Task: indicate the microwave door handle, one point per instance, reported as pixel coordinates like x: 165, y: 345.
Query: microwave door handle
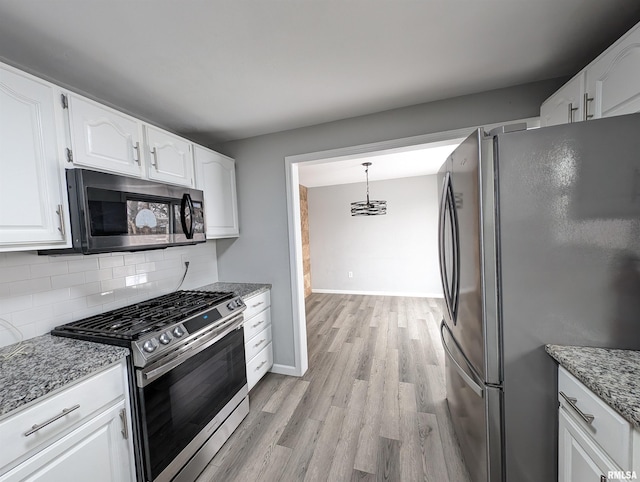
x: 186, y: 203
x: 442, y: 255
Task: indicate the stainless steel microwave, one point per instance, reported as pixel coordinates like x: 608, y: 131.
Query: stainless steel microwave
x: 111, y: 213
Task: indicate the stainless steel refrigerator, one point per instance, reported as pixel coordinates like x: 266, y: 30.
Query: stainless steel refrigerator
x: 539, y: 243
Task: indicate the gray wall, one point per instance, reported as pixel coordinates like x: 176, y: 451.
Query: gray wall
x: 261, y: 253
x: 393, y: 254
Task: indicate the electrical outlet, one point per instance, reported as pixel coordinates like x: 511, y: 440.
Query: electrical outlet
x: 350, y: 274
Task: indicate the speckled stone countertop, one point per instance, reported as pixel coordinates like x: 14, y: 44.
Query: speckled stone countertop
x: 614, y: 375
x: 46, y: 363
x: 244, y: 290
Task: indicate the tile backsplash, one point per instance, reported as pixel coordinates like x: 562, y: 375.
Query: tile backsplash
x: 38, y: 293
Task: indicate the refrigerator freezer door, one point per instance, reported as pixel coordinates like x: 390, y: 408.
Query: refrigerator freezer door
x: 476, y: 413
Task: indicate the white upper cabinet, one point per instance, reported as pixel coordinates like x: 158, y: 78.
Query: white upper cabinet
x: 608, y: 86
x: 216, y: 177
x: 613, y: 79
x: 565, y: 106
x: 103, y: 138
x: 32, y: 212
x: 170, y: 157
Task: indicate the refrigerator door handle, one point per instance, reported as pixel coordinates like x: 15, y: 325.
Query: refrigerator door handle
x: 477, y: 388
x: 444, y: 200
x: 455, y: 228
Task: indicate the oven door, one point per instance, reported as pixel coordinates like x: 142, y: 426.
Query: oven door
x: 185, y: 399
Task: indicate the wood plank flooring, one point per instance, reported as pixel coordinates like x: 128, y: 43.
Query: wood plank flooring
x: 371, y: 406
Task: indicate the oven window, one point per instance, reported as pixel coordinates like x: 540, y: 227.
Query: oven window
x: 115, y: 213
x: 178, y: 405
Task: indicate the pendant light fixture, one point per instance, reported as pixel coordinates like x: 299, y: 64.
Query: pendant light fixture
x: 368, y: 207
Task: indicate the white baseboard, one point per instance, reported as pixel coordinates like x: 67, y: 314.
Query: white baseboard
x: 379, y: 293
x: 285, y: 370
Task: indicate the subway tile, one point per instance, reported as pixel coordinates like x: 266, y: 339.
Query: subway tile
x: 32, y: 315
x: 136, y: 279
x: 145, y: 268
x: 23, y: 258
x: 156, y: 255
x: 69, y: 306
x: 50, y: 297
x: 123, y: 271
x: 85, y: 289
x: 5, y: 289
x: 83, y: 265
x: 99, y: 275
x: 134, y: 258
x: 15, y: 303
x: 169, y: 264
x: 111, y: 261
x: 30, y: 286
x: 100, y: 298
x: 9, y: 274
x: 49, y: 269
x: 112, y: 284
x: 66, y: 280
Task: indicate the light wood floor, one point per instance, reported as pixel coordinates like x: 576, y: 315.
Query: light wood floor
x: 371, y: 406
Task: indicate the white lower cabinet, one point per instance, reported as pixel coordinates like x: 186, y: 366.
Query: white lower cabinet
x: 595, y: 443
x: 80, y: 433
x: 258, y: 347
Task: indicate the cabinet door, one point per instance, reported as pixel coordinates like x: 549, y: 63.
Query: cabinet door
x: 580, y: 459
x: 98, y: 451
x: 216, y: 176
x: 103, y: 138
x: 613, y: 79
x: 170, y: 158
x: 565, y: 106
x: 31, y: 182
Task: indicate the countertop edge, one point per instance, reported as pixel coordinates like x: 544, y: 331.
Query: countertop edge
x: 596, y: 377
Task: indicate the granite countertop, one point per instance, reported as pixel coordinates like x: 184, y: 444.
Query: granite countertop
x: 46, y: 363
x: 614, y: 375
x: 244, y: 290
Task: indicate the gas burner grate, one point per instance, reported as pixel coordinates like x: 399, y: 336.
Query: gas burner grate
x: 130, y: 322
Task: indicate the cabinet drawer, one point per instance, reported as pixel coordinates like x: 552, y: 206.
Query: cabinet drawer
x: 256, y: 324
x: 260, y: 365
x: 256, y: 304
x: 257, y: 343
x: 608, y: 428
x: 91, y: 394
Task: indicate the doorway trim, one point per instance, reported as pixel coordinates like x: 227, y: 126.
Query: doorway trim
x: 292, y: 164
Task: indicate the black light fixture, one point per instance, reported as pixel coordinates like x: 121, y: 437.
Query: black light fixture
x: 368, y: 207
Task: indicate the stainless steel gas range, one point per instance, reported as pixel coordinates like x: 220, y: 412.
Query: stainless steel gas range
x: 187, y: 375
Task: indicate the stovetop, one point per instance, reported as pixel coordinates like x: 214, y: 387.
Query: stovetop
x: 124, y: 325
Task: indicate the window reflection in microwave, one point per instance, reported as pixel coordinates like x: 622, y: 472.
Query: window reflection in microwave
x: 144, y: 218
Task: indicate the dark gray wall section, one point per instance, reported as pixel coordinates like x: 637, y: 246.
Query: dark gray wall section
x: 261, y: 253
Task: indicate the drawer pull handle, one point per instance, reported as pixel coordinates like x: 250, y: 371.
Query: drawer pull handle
x: 259, y: 343
x: 257, y: 304
x: 64, y: 412
x: 572, y: 403
x: 261, y: 365
x: 257, y: 324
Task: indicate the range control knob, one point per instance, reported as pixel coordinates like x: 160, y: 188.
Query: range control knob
x: 165, y: 338
x: 231, y: 305
x: 178, y: 332
x: 150, y: 345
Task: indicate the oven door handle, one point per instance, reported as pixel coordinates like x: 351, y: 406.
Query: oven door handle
x: 147, y: 375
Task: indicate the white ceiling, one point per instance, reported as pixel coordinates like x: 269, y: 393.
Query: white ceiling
x: 416, y: 161
x: 215, y: 70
